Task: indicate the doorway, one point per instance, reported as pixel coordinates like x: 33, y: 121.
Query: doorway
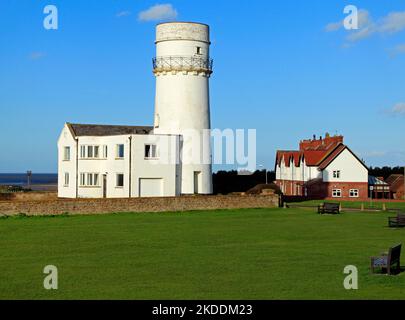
x: 197, y: 175
x: 104, y: 186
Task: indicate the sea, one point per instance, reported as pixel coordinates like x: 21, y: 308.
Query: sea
x: 20, y: 179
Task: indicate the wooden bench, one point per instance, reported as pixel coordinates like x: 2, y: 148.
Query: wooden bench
x: 388, y: 260
x: 333, y: 208
x: 397, y: 222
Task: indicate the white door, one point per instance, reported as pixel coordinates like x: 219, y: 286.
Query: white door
x: 150, y: 187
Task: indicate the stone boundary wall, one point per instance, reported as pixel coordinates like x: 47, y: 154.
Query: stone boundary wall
x: 29, y: 196
x: 166, y: 204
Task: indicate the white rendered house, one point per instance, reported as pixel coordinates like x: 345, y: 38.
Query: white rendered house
x: 322, y: 168
x: 112, y: 161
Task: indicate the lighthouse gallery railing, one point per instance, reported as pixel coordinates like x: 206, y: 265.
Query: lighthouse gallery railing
x: 182, y: 63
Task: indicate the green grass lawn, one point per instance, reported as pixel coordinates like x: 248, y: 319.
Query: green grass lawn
x: 235, y: 254
x: 354, y: 204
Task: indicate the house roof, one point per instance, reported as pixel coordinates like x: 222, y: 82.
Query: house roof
x: 375, y: 181
x: 99, y: 130
x: 396, y: 181
x: 334, y: 154
x: 287, y: 156
x: 314, y: 157
x: 324, y: 144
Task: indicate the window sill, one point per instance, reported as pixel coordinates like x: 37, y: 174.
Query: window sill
x: 92, y: 158
x: 151, y: 158
x: 64, y: 160
x: 119, y: 158
x: 119, y: 187
x: 90, y: 187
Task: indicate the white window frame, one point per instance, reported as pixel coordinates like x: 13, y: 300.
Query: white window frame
x: 96, y: 152
x: 105, y: 151
x: 66, y: 153
x: 96, y: 179
x: 116, y: 180
x: 90, y: 154
x: 89, y: 149
x: 82, y: 179
x: 82, y: 151
x: 89, y: 179
x: 335, y: 193
x: 354, y: 193
x: 66, y: 180
x: 153, y: 151
x: 117, y: 155
x: 336, y: 174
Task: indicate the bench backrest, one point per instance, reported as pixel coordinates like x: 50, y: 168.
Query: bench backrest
x: 331, y: 206
x: 401, y: 217
x: 394, y: 253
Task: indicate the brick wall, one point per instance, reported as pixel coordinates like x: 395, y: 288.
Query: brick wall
x: 345, y: 188
x: 323, y: 190
x: 98, y: 206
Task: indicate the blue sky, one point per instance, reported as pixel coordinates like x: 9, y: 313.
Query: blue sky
x: 281, y: 67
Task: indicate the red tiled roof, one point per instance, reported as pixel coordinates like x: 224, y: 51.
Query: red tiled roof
x: 321, y: 144
x: 313, y: 157
x: 331, y: 156
x: 287, y: 155
x: 315, y: 152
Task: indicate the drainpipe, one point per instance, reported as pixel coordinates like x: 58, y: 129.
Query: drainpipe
x: 130, y: 166
x: 77, y: 167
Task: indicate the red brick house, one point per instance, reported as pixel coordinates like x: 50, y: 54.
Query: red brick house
x: 396, y: 183
x: 322, y: 168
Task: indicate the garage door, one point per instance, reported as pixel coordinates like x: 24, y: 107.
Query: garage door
x: 150, y: 187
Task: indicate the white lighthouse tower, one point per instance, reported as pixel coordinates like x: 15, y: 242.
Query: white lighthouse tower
x: 182, y: 67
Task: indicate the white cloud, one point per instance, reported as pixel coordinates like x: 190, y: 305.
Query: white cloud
x: 366, y: 27
x: 36, y: 55
x: 399, y: 49
x: 333, y: 26
x: 364, y: 20
x: 158, y: 12
x: 399, y: 108
x: 392, y: 23
x: 123, y: 14
x: 361, y: 34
